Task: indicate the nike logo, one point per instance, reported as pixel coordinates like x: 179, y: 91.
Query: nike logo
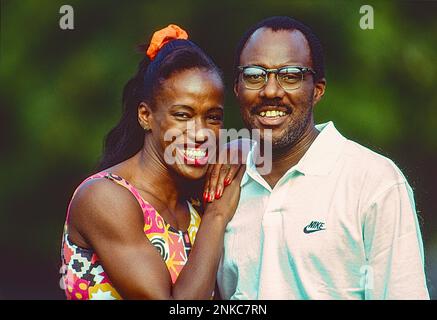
x: 314, y: 226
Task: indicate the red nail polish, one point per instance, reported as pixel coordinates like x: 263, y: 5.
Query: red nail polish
x: 218, y: 194
x: 227, y: 181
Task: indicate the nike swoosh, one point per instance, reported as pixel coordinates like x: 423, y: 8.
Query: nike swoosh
x: 308, y: 230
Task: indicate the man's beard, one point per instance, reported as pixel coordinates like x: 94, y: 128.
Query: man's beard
x: 295, y: 130
x: 293, y: 133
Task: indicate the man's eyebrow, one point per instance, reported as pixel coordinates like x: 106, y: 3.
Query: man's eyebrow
x: 279, y: 65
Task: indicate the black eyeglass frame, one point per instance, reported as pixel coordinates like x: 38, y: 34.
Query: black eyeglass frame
x: 302, y: 70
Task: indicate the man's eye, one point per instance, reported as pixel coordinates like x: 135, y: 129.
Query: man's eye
x: 254, y: 77
x: 290, y: 77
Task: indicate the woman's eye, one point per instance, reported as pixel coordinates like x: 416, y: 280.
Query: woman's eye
x: 182, y: 115
x: 216, y: 117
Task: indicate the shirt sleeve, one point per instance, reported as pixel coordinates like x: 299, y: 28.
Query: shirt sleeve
x: 394, y: 247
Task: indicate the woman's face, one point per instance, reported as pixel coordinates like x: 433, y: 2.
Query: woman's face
x: 186, y: 119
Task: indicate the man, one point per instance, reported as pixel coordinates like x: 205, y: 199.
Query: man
x: 332, y: 220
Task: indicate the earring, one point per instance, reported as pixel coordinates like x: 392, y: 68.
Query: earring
x: 143, y: 125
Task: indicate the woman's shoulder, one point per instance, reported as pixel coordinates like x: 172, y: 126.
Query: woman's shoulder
x: 106, y: 188
x: 100, y: 200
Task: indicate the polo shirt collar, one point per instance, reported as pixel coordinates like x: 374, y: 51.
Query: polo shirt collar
x: 319, y: 159
x: 322, y: 155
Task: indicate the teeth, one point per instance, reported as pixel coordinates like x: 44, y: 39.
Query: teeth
x: 195, y: 153
x: 272, y: 113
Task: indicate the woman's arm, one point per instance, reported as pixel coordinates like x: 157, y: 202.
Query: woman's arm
x: 110, y: 220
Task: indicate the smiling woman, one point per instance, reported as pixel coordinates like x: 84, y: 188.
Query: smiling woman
x: 130, y: 229
x: 187, y: 109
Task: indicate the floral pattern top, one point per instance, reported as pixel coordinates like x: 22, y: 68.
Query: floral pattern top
x: 83, y: 276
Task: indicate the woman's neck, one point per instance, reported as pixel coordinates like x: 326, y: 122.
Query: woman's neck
x: 149, y: 173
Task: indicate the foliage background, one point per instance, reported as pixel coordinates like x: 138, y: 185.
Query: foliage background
x: 60, y: 93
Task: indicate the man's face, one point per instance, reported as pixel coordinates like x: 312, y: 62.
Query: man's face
x: 288, y: 113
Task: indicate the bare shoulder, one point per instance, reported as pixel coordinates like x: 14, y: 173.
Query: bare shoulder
x: 102, y: 205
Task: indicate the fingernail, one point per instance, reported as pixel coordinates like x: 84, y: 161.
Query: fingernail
x: 218, y: 194
x: 211, y: 197
x: 227, y: 181
x: 204, y: 196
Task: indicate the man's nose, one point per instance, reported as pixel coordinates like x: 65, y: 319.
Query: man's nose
x: 272, y: 89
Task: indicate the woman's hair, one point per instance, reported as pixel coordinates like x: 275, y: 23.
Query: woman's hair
x: 127, y: 137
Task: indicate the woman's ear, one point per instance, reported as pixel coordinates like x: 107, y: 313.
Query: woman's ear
x: 145, y: 116
x: 236, y: 88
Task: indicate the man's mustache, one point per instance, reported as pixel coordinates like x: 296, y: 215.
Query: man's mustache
x: 268, y: 103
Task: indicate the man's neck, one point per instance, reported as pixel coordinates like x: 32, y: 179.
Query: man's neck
x: 284, y: 159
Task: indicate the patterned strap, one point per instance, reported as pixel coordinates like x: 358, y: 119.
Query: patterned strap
x: 124, y: 183
x: 95, y: 176
x: 193, y: 203
x: 146, y: 206
x: 110, y: 176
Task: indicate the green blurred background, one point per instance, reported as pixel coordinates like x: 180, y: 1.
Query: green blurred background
x: 60, y: 93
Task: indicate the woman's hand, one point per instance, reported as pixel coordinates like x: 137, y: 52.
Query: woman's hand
x: 228, y: 203
x: 223, y: 172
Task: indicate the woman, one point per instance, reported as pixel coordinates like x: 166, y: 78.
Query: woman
x: 129, y: 229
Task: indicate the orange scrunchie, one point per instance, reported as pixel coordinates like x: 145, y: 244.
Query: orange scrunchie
x: 163, y: 36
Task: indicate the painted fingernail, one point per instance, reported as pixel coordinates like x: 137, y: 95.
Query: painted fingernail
x: 218, y: 194
x: 227, y: 181
x: 205, y: 195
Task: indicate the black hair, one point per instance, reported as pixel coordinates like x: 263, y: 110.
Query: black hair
x: 127, y: 137
x: 277, y: 23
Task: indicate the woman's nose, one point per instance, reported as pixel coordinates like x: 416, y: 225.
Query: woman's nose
x: 198, y: 131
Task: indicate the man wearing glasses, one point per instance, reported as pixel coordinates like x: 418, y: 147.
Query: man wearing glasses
x: 332, y: 220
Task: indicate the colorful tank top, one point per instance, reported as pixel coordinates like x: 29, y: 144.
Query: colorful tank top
x: 83, y: 276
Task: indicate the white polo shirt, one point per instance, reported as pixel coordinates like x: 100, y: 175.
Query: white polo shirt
x: 341, y: 224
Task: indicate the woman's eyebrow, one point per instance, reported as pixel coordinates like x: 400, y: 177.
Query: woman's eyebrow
x: 213, y: 109
x: 182, y: 106
x: 218, y: 108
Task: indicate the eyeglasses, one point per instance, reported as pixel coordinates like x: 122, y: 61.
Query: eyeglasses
x: 288, y: 77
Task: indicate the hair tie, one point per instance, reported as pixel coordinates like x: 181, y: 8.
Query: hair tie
x: 163, y: 36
